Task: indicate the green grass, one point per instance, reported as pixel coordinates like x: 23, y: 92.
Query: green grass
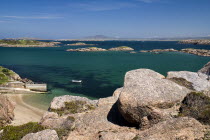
x: 18, y: 132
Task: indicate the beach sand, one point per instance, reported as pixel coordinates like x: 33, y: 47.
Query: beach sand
x: 24, y: 113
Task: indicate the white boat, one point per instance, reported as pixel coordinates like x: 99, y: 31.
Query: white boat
x: 76, y: 81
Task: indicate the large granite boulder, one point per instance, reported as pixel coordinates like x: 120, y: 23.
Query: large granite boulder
x: 42, y: 135
x: 205, y: 69
x: 148, y: 98
x: 68, y: 104
x: 199, y: 81
x: 94, y: 124
x: 183, y: 128
x: 6, y: 110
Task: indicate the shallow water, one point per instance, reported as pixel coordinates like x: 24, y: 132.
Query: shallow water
x: 101, y: 72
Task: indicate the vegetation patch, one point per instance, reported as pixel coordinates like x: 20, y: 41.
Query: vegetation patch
x: 20, y: 42
x: 4, y: 75
x: 182, y: 82
x: 18, y: 132
x: 74, y: 107
x: 196, y: 105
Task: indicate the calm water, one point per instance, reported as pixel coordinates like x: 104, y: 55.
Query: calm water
x: 102, y: 72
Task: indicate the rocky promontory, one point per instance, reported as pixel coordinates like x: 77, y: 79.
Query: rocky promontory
x: 200, y: 52
x: 89, y: 49
x: 80, y: 44
x: 195, y: 42
x: 121, y: 48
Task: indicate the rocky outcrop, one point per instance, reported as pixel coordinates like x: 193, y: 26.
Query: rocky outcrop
x: 42, y: 135
x: 121, y: 48
x: 148, y: 98
x: 200, y: 52
x: 71, y: 104
x: 160, y: 50
x: 199, y: 81
x: 195, y: 42
x: 90, y: 49
x: 175, y: 129
x: 6, y: 110
x: 205, y: 69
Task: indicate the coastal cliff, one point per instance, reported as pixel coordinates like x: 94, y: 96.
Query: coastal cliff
x: 148, y: 106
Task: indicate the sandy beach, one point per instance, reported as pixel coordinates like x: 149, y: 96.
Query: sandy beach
x: 24, y: 113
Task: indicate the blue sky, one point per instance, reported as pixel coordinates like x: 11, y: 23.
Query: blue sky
x: 56, y: 19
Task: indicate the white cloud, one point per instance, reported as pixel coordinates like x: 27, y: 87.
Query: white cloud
x: 32, y: 17
x: 148, y: 1
x: 98, y: 6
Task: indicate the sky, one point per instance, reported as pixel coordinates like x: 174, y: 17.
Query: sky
x: 70, y: 19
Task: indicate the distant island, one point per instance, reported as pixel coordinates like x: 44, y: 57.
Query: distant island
x: 196, y: 41
x: 80, y: 44
x: 94, y: 49
x: 27, y: 43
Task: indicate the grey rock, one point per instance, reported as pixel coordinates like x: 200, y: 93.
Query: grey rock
x: 116, y: 135
x: 42, y: 135
x: 148, y: 98
x: 199, y: 80
x: 52, y: 120
x: 205, y: 69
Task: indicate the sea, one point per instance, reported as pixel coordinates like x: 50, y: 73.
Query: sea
x: 101, y: 72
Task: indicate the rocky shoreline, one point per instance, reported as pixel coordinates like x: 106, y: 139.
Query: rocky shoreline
x: 195, y: 42
x: 12, y: 83
x: 81, y: 44
x: 148, y: 106
x: 95, y: 49
x: 199, y: 52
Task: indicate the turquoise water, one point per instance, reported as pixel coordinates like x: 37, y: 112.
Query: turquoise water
x: 101, y: 72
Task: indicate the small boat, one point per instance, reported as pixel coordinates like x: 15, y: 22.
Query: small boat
x: 76, y: 81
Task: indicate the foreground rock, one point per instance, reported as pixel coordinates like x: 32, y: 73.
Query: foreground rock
x: 147, y: 98
x: 71, y: 104
x: 6, y: 110
x: 195, y: 42
x: 90, y: 49
x: 53, y: 120
x: 174, y: 129
x: 198, y: 81
x: 42, y: 135
x: 121, y: 48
